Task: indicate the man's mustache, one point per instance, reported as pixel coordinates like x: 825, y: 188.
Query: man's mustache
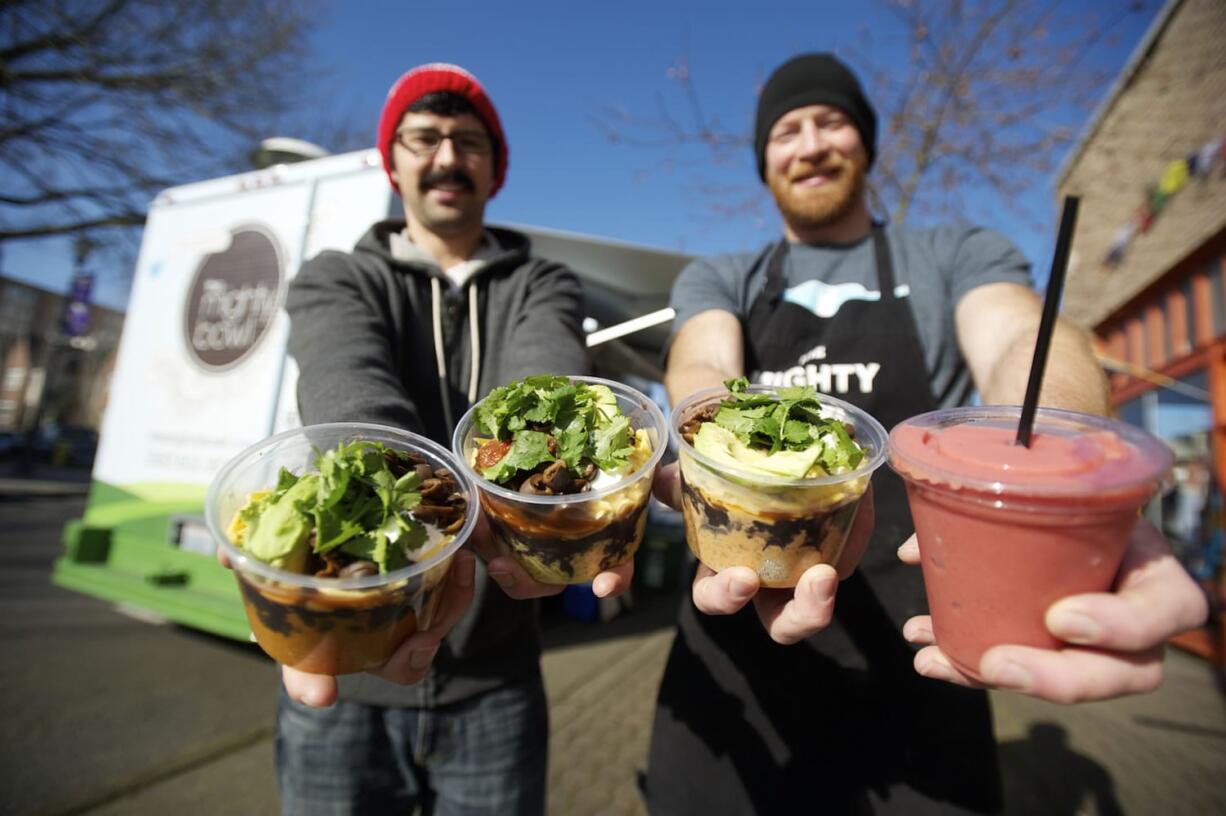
x: 458, y: 177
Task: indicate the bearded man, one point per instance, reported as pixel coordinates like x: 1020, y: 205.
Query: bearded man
x: 813, y: 706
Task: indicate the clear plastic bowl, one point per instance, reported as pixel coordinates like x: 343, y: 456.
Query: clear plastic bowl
x: 777, y: 527
x: 569, y: 539
x: 330, y: 625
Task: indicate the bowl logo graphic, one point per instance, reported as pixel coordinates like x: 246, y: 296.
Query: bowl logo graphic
x: 233, y: 299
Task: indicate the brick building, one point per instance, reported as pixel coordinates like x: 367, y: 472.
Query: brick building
x: 1150, y: 254
x: 47, y: 374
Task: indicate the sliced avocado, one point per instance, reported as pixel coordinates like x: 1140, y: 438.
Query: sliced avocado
x: 278, y: 536
x: 722, y: 445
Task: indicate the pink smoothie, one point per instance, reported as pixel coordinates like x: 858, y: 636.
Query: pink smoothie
x: 1004, y: 530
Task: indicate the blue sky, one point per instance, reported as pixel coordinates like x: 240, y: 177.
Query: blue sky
x: 551, y: 66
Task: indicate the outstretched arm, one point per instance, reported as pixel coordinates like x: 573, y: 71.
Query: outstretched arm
x: 547, y: 338
x: 707, y: 350
x: 341, y: 340
x: 997, y: 325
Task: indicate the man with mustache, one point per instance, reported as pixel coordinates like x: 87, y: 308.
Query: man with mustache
x: 818, y: 704
x: 425, y: 316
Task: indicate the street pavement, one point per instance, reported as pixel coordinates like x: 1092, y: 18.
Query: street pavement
x: 1162, y: 753
x: 97, y: 703
x: 39, y: 479
x: 106, y: 714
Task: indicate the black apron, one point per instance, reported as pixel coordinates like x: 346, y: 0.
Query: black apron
x: 840, y: 723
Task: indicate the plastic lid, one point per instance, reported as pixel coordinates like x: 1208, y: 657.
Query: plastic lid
x: 1071, y: 453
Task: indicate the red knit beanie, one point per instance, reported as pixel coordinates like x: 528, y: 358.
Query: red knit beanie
x: 440, y: 77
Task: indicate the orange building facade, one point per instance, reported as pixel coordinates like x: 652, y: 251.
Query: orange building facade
x: 1148, y: 274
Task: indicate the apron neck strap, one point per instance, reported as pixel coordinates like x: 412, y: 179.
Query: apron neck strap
x: 885, y: 266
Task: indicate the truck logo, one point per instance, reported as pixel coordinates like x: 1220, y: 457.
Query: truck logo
x: 233, y: 299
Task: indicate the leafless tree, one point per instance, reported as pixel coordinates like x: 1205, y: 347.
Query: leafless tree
x: 992, y: 94
x: 105, y: 102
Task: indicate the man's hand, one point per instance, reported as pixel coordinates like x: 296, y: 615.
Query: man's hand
x: 409, y: 663
x: 788, y: 615
x: 518, y: 584
x: 1116, y: 639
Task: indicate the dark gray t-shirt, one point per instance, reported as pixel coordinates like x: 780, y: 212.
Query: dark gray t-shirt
x: 933, y: 269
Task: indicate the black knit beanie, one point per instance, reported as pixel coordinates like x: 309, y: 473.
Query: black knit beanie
x: 813, y: 79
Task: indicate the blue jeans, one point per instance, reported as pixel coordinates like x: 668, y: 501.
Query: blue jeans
x: 485, y: 755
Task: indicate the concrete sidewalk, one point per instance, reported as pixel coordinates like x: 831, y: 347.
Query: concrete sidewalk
x: 602, y: 695
x: 1158, y: 753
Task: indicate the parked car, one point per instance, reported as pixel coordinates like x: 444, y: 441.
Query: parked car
x: 71, y: 445
x: 11, y: 443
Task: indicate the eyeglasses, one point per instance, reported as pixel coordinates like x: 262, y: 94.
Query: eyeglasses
x: 425, y: 143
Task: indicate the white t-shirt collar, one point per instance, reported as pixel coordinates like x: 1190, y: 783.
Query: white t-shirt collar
x: 403, y: 249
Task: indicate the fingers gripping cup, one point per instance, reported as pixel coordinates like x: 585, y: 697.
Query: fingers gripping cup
x: 341, y: 537
x: 771, y: 477
x: 1004, y: 530
x: 563, y: 466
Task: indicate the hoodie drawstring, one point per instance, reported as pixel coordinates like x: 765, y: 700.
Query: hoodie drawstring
x: 440, y: 352
x: 474, y: 335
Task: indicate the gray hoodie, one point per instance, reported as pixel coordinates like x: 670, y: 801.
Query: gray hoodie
x: 391, y: 340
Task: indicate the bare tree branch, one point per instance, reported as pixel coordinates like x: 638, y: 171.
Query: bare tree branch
x: 984, y: 101
x: 110, y: 222
x: 104, y: 103
x: 58, y: 41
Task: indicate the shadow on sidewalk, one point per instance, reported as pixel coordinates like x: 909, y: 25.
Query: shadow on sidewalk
x: 649, y: 611
x: 1044, y: 775
x: 1181, y: 727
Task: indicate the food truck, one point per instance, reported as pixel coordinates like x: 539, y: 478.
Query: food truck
x: 202, y: 370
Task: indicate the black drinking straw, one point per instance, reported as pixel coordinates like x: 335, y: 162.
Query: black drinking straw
x: 1055, y: 285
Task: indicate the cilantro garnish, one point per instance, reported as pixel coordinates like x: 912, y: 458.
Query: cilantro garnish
x: 582, y: 420
x: 354, y: 504
x: 789, y: 419
x: 529, y: 449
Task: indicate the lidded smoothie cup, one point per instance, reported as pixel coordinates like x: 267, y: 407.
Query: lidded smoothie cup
x: 1004, y: 530
x: 776, y: 526
x: 570, y: 538
x: 332, y: 625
